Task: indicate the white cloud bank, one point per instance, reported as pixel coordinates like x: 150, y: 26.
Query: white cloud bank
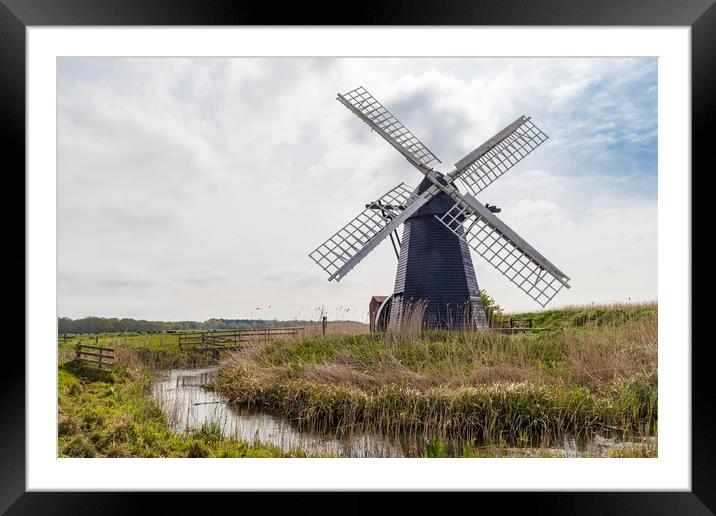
x: 190, y: 189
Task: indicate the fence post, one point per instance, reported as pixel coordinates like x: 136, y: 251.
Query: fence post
x: 324, y: 323
x: 77, y: 350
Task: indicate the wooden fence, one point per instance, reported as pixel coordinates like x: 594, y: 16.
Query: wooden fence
x: 234, y: 338
x: 516, y: 323
x: 513, y: 325
x: 98, y: 357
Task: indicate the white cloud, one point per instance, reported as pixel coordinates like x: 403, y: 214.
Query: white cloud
x: 193, y: 188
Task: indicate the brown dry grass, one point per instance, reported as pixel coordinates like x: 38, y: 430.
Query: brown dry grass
x: 336, y: 328
x: 577, y: 378
x: 594, y: 357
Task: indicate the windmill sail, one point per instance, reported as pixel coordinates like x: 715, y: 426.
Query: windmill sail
x: 481, y: 167
x: 497, y: 243
x: 350, y: 244
x: 434, y: 263
x: 373, y: 113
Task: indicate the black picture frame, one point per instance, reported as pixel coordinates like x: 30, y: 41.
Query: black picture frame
x: 17, y: 15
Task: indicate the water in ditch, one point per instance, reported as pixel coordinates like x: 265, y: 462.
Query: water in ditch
x: 188, y: 405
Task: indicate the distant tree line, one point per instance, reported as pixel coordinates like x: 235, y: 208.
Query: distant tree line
x: 115, y: 325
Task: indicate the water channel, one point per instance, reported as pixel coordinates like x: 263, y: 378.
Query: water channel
x: 188, y: 405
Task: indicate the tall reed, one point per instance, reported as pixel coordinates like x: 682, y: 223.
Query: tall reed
x: 535, y: 387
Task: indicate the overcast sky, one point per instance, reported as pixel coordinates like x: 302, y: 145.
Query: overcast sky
x: 195, y: 188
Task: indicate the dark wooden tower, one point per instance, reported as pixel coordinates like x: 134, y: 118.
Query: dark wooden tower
x: 435, y: 273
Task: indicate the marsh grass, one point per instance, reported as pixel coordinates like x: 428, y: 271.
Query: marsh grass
x: 593, y: 373
x: 411, y: 320
x: 114, y: 415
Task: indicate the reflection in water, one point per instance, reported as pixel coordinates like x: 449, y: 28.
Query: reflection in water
x: 188, y: 406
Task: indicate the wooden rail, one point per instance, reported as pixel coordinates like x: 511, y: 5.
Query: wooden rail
x: 98, y: 357
x: 513, y: 325
x: 508, y: 330
x: 234, y: 338
x: 511, y: 322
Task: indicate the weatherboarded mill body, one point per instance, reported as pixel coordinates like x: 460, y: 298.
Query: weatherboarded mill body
x: 435, y: 281
x: 435, y: 284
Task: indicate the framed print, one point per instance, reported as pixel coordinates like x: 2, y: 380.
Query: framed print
x: 226, y: 290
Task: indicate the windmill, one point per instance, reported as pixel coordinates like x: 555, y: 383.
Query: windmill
x: 440, y: 222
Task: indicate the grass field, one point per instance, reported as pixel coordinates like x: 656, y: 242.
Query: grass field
x: 162, y: 350
x: 591, y: 372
